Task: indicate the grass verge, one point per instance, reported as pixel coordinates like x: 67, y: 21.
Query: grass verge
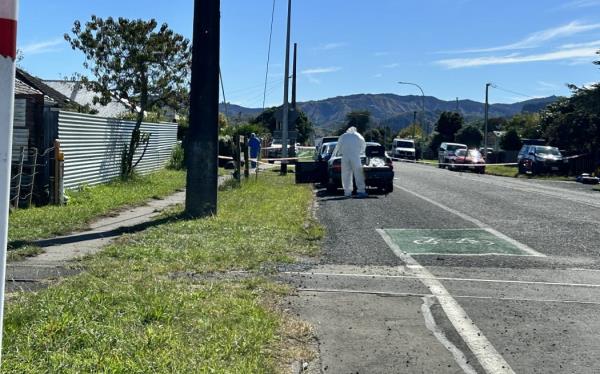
x: 153, y: 302
x: 502, y: 170
x: 90, y: 203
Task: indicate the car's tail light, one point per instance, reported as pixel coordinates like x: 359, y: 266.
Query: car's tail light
x: 337, y: 166
x: 389, y: 163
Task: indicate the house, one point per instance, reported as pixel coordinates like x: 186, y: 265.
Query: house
x: 77, y: 92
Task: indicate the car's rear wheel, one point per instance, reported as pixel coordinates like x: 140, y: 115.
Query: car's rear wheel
x: 389, y: 188
x: 331, y: 188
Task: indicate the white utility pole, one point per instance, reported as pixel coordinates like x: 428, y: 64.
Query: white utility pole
x: 8, y: 54
x: 286, y: 105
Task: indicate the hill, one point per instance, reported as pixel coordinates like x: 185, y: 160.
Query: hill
x: 394, y: 110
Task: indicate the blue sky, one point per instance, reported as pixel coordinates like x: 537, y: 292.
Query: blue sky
x: 527, y: 48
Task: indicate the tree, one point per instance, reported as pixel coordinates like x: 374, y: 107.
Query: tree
x: 448, y: 125
x: 361, y: 119
x: 137, y: 62
x: 525, y: 124
x: 469, y: 135
x: 413, y: 131
x: 303, y: 125
x: 511, y: 141
x: 573, y: 123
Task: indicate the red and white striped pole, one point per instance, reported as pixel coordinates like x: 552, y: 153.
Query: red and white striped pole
x: 8, y: 54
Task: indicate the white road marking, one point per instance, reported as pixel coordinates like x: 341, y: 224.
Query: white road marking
x: 350, y: 275
x: 477, y: 223
x: 458, y: 355
x: 413, y: 294
x: 489, y: 358
x: 579, y: 197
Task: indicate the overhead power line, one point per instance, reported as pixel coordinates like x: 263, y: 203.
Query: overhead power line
x: 512, y: 91
x: 268, y: 55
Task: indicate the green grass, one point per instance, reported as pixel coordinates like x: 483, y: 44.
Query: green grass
x: 150, y: 304
x: 90, y: 203
x: 502, y: 170
x: 306, y: 154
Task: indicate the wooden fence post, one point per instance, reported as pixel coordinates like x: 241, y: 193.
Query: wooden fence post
x: 246, y: 159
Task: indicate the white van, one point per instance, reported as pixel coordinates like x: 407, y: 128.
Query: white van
x: 404, y: 149
x: 447, y: 151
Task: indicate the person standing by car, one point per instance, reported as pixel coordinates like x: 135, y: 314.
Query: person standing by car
x: 254, y: 145
x: 352, y: 145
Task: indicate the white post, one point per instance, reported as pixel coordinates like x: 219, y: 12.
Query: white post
x: 8, y: 52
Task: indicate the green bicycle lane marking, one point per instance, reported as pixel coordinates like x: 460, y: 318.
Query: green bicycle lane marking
x: 452, y: 242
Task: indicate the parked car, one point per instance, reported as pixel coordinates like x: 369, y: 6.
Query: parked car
x: 326, y: 151
x: 377, y: 166
x: 446, y: 151
x: 326, y: 139
x: 275, y: 150
x: 536, y: 159
x: 467, y: 159
x: 404, y: 149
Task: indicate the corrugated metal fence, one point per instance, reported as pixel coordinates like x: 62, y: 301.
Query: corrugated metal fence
x: 93, y: 147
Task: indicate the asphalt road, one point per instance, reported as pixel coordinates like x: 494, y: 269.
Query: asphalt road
x: 379, y: 306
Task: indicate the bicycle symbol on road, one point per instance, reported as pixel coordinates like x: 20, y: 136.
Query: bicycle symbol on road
x: 436, y: 241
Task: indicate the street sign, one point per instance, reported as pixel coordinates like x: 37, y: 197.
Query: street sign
x: 292, y: 135
x: 292, y: 115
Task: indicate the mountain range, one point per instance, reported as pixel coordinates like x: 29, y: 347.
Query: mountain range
x: 394, y: 111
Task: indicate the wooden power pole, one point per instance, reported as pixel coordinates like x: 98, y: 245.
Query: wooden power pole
x: 202, y: 140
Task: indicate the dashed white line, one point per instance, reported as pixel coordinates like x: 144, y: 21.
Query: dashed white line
x: 477, y: 223
x: 489, y: 358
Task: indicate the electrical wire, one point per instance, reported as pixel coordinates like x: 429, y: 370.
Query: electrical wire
x: 512, y: 92
x: 223, y: 90
x: 268, y: 55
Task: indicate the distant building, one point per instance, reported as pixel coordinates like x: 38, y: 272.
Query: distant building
x: 79, y: 93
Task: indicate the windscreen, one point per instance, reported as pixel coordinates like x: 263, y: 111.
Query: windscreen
x: 454, y: 147
x: 549, y: 151
x: 405, y: 145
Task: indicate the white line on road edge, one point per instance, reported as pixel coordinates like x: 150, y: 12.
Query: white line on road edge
x: 476, y: 222
x: 458, y: 355
x: 491, y: 361
x: 362, y: 275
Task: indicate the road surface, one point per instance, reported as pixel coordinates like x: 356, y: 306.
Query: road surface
x: 456, y: 273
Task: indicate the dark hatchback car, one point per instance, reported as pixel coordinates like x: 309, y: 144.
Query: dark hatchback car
x: 465, y: 159
x: 538, y: 159
x: 377, y: 166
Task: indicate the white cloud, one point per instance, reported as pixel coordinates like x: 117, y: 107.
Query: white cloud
x: 580, y: 4
x: 392, y: 66
x: 563, y: 54
x: 313, y: 71
x: 330, y: 46
x: 381, y: 54
x: 537, y: 38
x: 379, y: 75
x: 42, y: 47
x: 579, y: 45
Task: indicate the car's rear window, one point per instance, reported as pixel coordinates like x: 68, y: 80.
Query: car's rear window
x: 454, y: 147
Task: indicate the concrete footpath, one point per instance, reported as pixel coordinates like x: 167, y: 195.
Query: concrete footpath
x: 60, y: 252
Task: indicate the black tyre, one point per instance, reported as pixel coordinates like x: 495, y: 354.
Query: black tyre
x: 389, y: 188
x: 331, y: 188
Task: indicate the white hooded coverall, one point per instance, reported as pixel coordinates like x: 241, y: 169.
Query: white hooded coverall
x: 352, y: 145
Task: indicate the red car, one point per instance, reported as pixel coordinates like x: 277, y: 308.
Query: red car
x: 470, y: 159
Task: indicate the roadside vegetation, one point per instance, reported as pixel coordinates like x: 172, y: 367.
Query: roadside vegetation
x: 89, y: 203
x: 184, y: 296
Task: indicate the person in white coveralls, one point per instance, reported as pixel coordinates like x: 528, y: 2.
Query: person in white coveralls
x: 352, y: 145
